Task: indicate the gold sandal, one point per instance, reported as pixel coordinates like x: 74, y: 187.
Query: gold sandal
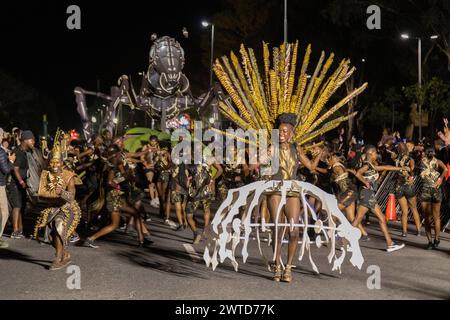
x: 66, y: 257
x: 277, y: 273
x: 287, y: 274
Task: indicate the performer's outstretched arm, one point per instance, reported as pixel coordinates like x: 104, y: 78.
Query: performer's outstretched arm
x: 311, y: 165
x: 391, y: 168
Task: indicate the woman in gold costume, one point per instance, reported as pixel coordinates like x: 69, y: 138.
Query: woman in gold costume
x: 275, y: 95
x: 290, y: 155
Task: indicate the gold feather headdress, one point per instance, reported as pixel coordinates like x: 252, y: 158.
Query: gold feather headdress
x: 257, y: 100
x: 59, y: 150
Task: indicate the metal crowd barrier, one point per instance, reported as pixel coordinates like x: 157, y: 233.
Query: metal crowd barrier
x: 387, y: 186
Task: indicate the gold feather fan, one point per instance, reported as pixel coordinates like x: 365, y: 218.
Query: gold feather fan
x: 258, y: 99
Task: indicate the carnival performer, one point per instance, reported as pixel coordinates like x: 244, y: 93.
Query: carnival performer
x: 179, y: 191
x: 163, y: 173
x: 368, y: 174
x: 345, y: 190
x: 404, y: 188
x: 57, y: 185
x: 269, y: 97
x: 92, y: 162
x: 290, y: 156
x: 200, y: 192
x: 233, y: 177
x: 118, y: 198
x: 148, y: 160
x: 431, y: 195
x: 199, y: 180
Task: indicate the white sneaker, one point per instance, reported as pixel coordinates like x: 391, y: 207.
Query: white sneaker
x: 394, y: 247
x: 170, y: 223
x: 155, y: 203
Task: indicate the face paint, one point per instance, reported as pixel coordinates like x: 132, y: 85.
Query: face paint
x: 55, y: 165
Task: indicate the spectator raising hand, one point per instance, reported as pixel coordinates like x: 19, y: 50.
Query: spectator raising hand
x: 445, y: 136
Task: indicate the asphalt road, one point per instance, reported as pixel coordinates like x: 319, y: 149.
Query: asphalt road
x: 172, y: 268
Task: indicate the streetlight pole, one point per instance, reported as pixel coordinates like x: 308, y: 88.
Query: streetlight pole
x: 212, y: 56
x: 419, y: 68
x: 419, y: 49
x: 285, y: 22
x: 215, y: 112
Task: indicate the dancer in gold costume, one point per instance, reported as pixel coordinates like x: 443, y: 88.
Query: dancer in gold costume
x: 273, y: 99
x: 57, y: 186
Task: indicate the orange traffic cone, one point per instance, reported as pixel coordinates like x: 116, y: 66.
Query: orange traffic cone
x: 391, y: 210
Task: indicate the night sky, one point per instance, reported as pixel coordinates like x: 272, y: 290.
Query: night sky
x: 40, y: 51
x: 114, y: 39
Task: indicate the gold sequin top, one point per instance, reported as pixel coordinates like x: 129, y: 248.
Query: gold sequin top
x: 288, y: 164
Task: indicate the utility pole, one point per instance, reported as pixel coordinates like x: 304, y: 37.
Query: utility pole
x: 285, y: 22
x: 45, y: 123
x: 419, y: 44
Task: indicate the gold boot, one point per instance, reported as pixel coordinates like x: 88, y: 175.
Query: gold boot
x: 276, y: 273
x: 287, y: 274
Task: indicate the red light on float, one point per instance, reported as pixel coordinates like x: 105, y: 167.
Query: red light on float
x: 74, y: 135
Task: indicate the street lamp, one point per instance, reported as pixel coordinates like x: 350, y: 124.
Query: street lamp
x: 406, y: 36
x: 206, y: 24
x: 285, y: 22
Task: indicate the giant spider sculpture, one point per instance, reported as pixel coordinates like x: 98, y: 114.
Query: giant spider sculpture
x: 164, y: 93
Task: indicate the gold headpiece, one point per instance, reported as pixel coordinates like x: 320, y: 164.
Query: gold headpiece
x: 258, y: 98
x: 59, y: 150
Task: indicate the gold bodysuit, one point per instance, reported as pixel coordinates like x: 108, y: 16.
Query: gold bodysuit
x: 287, y: 170
x: 288, y: 164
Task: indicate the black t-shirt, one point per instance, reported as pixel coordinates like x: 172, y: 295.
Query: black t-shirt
x: 444, y: 155
x: 21, y: 162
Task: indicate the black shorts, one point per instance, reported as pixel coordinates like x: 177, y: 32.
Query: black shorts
x: 163, y: 176
x: 367, y: 198
x: 136, y: 195
x: 114, y: 201
x: 17, y: 196
x: 404, y: 190
x: 192, y: 206
x: 430, y: 194
x: 347, y: 197
x: 178, y: 197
